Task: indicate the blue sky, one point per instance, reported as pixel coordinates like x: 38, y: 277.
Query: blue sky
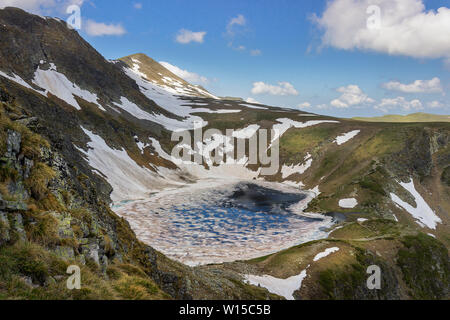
x: 287, y: 52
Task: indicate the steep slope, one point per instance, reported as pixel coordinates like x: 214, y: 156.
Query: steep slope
x: 107, y: 127
x: 162, y: 77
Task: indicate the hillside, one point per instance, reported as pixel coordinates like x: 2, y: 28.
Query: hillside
x: 86, y: 142
x: 157, y: 74
x: 414, y: 117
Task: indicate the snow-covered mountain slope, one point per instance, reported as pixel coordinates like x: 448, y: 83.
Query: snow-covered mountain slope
x: 155, y: 73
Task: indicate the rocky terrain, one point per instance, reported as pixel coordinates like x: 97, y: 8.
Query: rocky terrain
x: 80, y: 133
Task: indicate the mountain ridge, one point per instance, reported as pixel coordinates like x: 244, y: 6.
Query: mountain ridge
x: 413, y: 117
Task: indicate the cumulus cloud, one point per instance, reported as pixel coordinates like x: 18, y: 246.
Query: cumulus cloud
x: 99, y: 29
x: 41, y: 6
x: 137, y: 5
x: 399, y: 103
x: 435, y: 104
x: 239, y: 20
x: 187, y: 36
x: 304, y: 105
x: 405, y: 28
x: 418, y: 86
x: 255, y: 52
x: 191, y: 77
x: 351, y: 95
x: 282, y: 89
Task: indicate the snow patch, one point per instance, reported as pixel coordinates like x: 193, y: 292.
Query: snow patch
x: 285, y: 287
x: 20, y: 81
x: 349, y: 203
x: 287, y: 171
x: 128, y: 179
x: 282, y: 287
x: 346, y: 137
x: 247, y: 132
x: 57, y: 84
x: 325, y: 253
x: 423, y: 214
x: 285, y: 124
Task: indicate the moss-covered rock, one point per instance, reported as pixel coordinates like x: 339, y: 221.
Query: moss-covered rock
x: 424, y: 262
x: 349, y: 282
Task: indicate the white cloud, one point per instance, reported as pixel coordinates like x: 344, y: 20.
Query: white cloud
x: 282, y: 89
x: 255, y: 52
x: 137, y: 5
x: 184, y: 74
x: 239, y: 20
x: 435, y: 104
x: 98, y: 29
x: 304, y: 105
x: 418, y: 86
x: 187, y: 36
x: 399, y: 103
x: 351, y: 95
x: 251, y: 100
x: 40, y: 6
x: 405, y: 28
x: 56, y: 7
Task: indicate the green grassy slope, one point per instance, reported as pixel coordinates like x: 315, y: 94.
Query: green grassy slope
x: 414, y: 117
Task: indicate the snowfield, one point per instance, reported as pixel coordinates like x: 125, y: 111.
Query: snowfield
x: 282, y: 287
x: 287, y: 171
x: 20, y: 81
x: 169, y: 99
x: 346, y: 137
x: 325, y: 253
x: 286, y: 287
x: 349, y: 203
x: 57, y: 84
x: 285, y: 124
x: 422, y: 212
x: 128, y: 179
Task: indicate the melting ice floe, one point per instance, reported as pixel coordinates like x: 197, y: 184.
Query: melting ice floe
x: 422, y: 212
x: 196, y: 224
x: 285, y: 287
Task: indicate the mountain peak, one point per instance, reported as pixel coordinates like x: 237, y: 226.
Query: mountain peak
x: 154, y: 72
